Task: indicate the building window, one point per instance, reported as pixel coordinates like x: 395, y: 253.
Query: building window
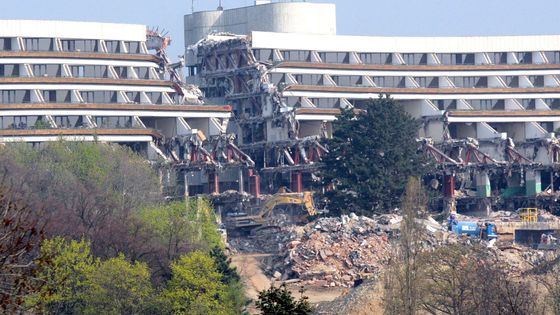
x: 38, y: 44
x: 78, y: 71
x: 62, y: 121
x: 5, y: 44
x: 296, y: 55
x: 155, y: 97
x: 390, y: 82
x: 113, y: 46
x: 499, y: 58
x: 46, y: 70
x: 512, y: 81
x: 15, y: 96
x: 80, y: 45
x: 309, y: 79
x: 525, y: 57
x: 133, y: 47
x: 49, y: 96
x: 122, y: 72
x: 553, y: 57
x: 528, y: 104
x: 537, y: 80
x: 335, y: 57
x: 415, y: 59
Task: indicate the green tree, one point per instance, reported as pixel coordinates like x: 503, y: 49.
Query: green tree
x: 279, y: 301
x: 178, y: 228
x: 223, y: 263
x: 234, y: 291
x: 63, y: 269
x: 118, y: 287
x: 371, y: 156
x: 73, y: 281
x: 195, y: 287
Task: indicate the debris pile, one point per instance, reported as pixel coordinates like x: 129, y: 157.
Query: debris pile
x: 336, y: 251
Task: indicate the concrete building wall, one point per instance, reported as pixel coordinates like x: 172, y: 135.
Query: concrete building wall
x: 296, y: 17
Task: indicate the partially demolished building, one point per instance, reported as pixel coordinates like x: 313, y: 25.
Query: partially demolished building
x: 489, y: 105
x: 82, y: 81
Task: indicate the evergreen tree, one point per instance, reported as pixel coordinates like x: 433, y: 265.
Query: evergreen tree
x: 371, y: 156
x: 279, y: 301
x: 229, y: 274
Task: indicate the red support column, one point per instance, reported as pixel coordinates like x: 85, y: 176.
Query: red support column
x: 257, y: 179
x: 296, y: 176
x: 298, y: 182
x: 213, y: 183
x: 257, y: 186
x: 216, y: 183
x: 449, y: 185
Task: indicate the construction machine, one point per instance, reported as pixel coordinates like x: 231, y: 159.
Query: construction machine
x: 240, y: 223
x: 485, y: 231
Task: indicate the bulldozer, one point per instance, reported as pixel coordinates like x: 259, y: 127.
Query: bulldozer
x: 242, y: 223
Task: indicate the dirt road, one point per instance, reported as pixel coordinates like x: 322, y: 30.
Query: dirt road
x: 248, y: 266
x: 254, y: 279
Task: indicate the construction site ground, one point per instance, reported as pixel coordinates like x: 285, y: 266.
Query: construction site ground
x: 339, y: 261
x: 252, y: 275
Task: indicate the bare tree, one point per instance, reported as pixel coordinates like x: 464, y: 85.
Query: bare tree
x: 470, y: 279
x: 403, y: 281
x: 20, y: 235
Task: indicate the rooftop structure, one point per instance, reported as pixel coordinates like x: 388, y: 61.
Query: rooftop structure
x: 281, y: 17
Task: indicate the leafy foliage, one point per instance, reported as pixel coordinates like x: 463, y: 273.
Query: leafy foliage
x: 279, y: 301
x: 118, y: 287
x: 74, y: 282
x: 195, y: 287
x: 371, y: 156
x: 178, y: 228
x: 63, y: 271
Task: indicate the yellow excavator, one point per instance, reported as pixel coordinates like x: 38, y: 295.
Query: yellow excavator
x: 239, y: 223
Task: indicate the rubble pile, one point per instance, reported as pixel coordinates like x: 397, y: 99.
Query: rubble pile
x: 271, y: 241
x: 337, y: 251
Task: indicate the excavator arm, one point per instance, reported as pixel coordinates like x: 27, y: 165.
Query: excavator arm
x: 305, y: 198
x: 281, y: 198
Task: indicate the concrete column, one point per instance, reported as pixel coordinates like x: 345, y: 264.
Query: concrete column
x: 186, y: 178
x: 514, y: 185
x: 533, y: 183
x: 483, y: 188
x: 484, y: 206
x: 241, y: 184
x: 257, y: 186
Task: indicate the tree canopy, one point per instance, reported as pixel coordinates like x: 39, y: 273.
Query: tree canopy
x: 195, y: 287
x: 109, y: 242
x: 371, y: 155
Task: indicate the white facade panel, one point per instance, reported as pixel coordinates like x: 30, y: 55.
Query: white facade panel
x: 284, y: 41
x: 72, y: 30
